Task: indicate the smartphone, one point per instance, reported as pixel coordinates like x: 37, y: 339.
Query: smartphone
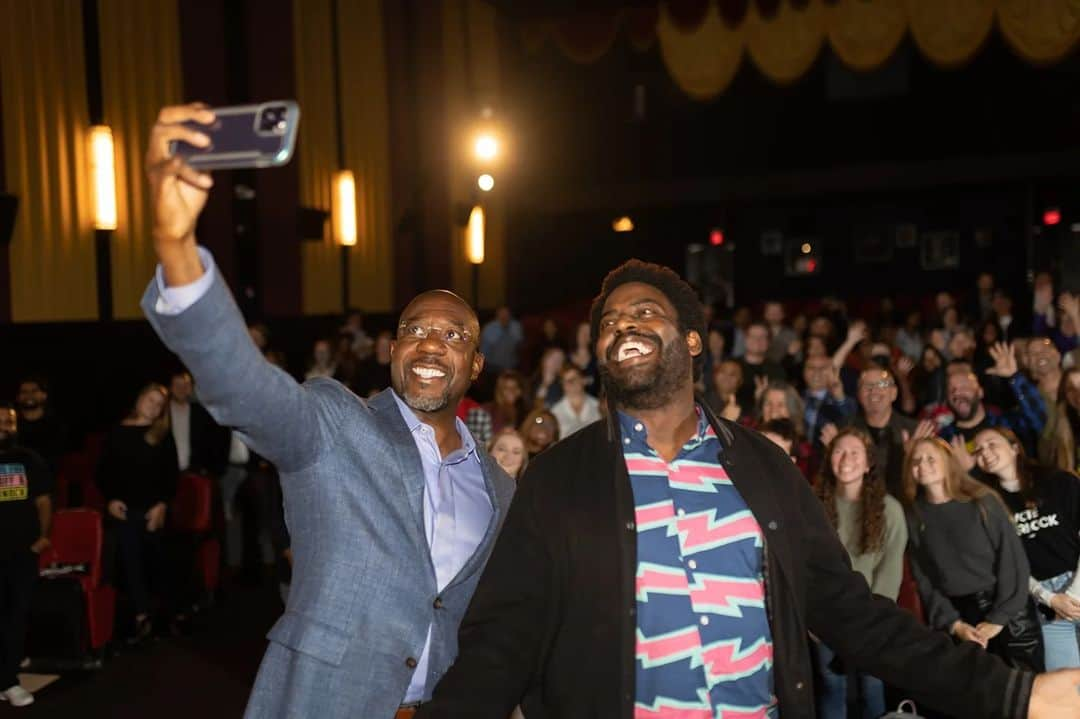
x: 244, y: 136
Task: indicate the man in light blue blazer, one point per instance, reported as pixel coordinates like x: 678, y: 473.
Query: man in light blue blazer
x: 391, y: 506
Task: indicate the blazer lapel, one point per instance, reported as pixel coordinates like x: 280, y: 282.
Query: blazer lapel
x: 411, y: 469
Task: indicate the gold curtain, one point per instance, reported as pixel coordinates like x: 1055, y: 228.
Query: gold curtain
x: 950, y: 32
x: 365, y: 113
x: 43, y: 81
x: 1040, y: 31
x: 316, y: 151
x: 785, y: 46
x: 479, y: 68
x: 140, y: 73
x: 865, y: 33
x: 704, y: 61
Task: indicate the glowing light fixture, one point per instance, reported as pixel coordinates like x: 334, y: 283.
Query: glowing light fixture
x: 103, y: 172
x: 485, y: 182
x: 486, y: 147
x: 623, y: 224
x: 1051, y: 216
x: 716, y: 237
x: 344, y: 209
x: 474, y: 236
x: 806, y: 248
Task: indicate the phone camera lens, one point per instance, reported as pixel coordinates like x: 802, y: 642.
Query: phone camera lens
x: 273, y: 119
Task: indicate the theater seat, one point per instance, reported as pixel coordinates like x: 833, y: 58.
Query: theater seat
x: 76, y: 539
x: 909, y: 594
x: 192, y: 514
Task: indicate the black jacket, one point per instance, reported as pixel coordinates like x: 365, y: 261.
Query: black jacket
x: 552, y: 621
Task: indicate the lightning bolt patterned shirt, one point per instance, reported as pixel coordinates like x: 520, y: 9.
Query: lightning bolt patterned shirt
x: 704, y: 647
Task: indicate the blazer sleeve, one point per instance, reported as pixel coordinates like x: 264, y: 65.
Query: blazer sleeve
x: 276, y: 416
x: 502, y: 635
x: 874, y: 635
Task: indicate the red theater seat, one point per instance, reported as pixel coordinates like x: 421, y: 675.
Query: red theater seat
x: 192, y: 513
x: 909, y: 594
x: 76, y: 539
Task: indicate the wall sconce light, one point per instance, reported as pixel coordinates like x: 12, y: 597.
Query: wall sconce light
x: 344, y: 208
x: 103, y: 174
x: 474, y: 236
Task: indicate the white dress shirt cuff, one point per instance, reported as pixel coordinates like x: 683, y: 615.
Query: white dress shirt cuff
x: 174, y: 300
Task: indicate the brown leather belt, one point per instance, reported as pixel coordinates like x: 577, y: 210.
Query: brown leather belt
x: 405, y: 712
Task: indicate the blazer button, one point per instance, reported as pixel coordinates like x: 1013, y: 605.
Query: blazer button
x: 799, y: 685
x: 438, y: 603
x: 630, y: 526
x: 773, y: 525
x: 410, y: 663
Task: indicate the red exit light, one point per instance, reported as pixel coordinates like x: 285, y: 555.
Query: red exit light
x: 716, y: 238
x: 1052, y: 217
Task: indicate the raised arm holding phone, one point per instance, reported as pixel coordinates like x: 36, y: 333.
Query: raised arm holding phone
x: 392, y: 508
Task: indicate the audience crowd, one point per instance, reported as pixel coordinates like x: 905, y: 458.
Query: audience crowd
x: 941, y: 441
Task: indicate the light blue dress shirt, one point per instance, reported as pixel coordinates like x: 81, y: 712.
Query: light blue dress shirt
x: 457, y: 511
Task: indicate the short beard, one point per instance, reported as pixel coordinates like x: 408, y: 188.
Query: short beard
x: 970, y: 415
x: 428, y: 404
x: 657, y: 388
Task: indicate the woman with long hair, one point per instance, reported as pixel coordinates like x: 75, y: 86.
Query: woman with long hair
x: 969, y: 564
x: 508, y: 407
x: 872, y: 529
x: 1059, y: 446
x: 1045, y: 504
x: 137, y: 475
x: 508, y: 449
x: 540, y: 430
x: 780, y: 400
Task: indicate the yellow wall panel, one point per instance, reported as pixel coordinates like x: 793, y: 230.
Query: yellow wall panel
x: 43, y: 81
x: 140, y: 73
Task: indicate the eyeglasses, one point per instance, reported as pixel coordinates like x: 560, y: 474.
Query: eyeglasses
x: 879, y: 384
x: 449, y: 335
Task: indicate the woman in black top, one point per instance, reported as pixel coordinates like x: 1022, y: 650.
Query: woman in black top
x: 1045, y: 504
x: 137, y: 475
x: 967, y: 560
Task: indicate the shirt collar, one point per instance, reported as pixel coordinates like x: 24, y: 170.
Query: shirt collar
x: 468, y: 444
x: 634, y: 429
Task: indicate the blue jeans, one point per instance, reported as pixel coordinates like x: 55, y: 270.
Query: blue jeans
x: 832, y: 699
x: 1059, y: 635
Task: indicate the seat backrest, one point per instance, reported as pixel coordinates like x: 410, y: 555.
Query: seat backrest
x: 192, y: 507
x: 76, y: 539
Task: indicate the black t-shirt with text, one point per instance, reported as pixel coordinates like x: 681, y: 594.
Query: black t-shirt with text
x: 1049, y: 529
x: 24, y: 476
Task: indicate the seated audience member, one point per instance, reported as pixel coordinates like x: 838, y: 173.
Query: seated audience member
x: 577, y: 408
x: 540, y: 430
x: 500, y: 341
x: 373, y: 374
x: 322, y: 362
x: 781, y: 401
x: 360, y: 344
x: 1045, y: 506
x: 872, y: 529
x: 582, y: 358
x: 1067, y: 337
x: 1058, y: 446
x: 508, y: 449
x: 824, y: 399
x: 25, y: 519
x: 928, y: 378
x: 507, y: 409
x: 781, y: 336
x: 888, y: 429
x: 970, y: 415
x: 909, y: 338
x: 346, y: 363
x: 548, y: 389
x: 1011, y: 328
x: 780, y: 432
x: 722, y: 396
x: 39, y: 427
x: 201, y: 443
x: 1044, y: 366
x: 137, y: 475
x: 969, y: 564
x: 757, y: 368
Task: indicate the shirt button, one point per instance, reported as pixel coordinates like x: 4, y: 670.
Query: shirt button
x: 639, y: 426
x: 704, y: 621
x: 626, y: 441
x: 630, y: 526
x: 773, y: 525
x: 692, y: 564
x: 410, y: 663
x: 681, y: 512
x: 438, y: 603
